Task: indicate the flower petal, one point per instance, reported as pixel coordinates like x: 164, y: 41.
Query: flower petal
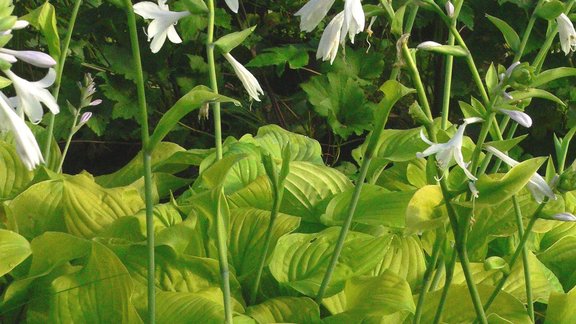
x: 173, y: 35
x: 248, y: 80
x: 233, y: 5
x: 147, y: 9
x: 312, y: 13
x: 502, y: 156
x: 520, y: 117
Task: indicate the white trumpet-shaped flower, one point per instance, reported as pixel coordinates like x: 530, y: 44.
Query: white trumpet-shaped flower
x: 248, y: 80
x: 312, y: 13
x: 537, y: 185
x: 520, y: 117
x: 163, y: 21
x: 451, y: 150
x: 26, y: 145
x: 354, y: 20
x: 330, y: 40
x: 233, y: 5
x: 35, y: 58
x: 30, y: 95
x: 566, y: 33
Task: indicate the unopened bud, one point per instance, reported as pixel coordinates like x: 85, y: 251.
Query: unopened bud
x: 449, y: 9
x: 85, y: 117
x: 564, y: 217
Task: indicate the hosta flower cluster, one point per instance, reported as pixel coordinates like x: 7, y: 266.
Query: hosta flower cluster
x: 28, y: 99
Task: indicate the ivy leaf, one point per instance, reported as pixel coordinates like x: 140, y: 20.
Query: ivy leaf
x: 295, y: 57
x: 341, y: 100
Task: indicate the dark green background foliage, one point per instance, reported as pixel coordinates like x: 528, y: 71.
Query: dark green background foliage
x: 283, y: 59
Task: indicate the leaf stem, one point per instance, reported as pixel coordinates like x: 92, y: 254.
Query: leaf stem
x: 68, y: 140
x: 447, y: 284
x: 519, y: 249
x: 438, y: 242
x: 448, y: 67
x: 407, y: 29
x: 58, y: 81
x: 345, y: 227
x: 278, y: 194
x: 525, y: 261
x: 146, y: 154
x: 222, y: 239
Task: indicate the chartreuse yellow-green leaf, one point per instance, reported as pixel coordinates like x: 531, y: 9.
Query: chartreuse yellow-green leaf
x: 100, y: 292
x: 494, y: 190
x: 14, y: 249
x: 285, y: 310
x: 370, y: 209
x: 561, y: 307
x: 372, y: 297
x: 300, y: 260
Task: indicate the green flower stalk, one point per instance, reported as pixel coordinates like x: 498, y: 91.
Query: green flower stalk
x: 147, y: 157
x: 59, y: 71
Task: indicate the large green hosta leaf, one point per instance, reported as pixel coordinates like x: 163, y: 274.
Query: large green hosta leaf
x: 273, y: 139
x: 543, y: 281
x: 13, y: 174
x: 14, y: 249
x: 561, y: 259
x: 76, y: 202
x: 307, y: 186
x: 377, y: 206
x: 500, y: 221
x: 248, y: 228
x: 462, y: 310
x: 395, y: 145
x: 50, y: 251
x: 175, y: 272
x: 99, y: 293
x: 405, y: 258
x: 370, y: 297
x: 134, y: 169
x: 88, y: 208
x: 285, y: 310
x: 561, y: 308
x: 183, y: 307
x: 300, y: 260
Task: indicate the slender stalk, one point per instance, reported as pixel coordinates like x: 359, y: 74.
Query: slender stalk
x: 146, y: 154
x: 438, y: 274
x: 448, y: 67
x: 519, y: 223
x: 278, y: 194
x: 460, y: 247
x: 519, y: 248
x: 59, y: 71
x: 417, y: 81
x: 526, y: 36
x: 213, y: 80
x: 68, y: 140
x: 428, y: 276
x: 447, y: 284
x: 407, y: 29
x: 222, y: 234
x: 345, y: 227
